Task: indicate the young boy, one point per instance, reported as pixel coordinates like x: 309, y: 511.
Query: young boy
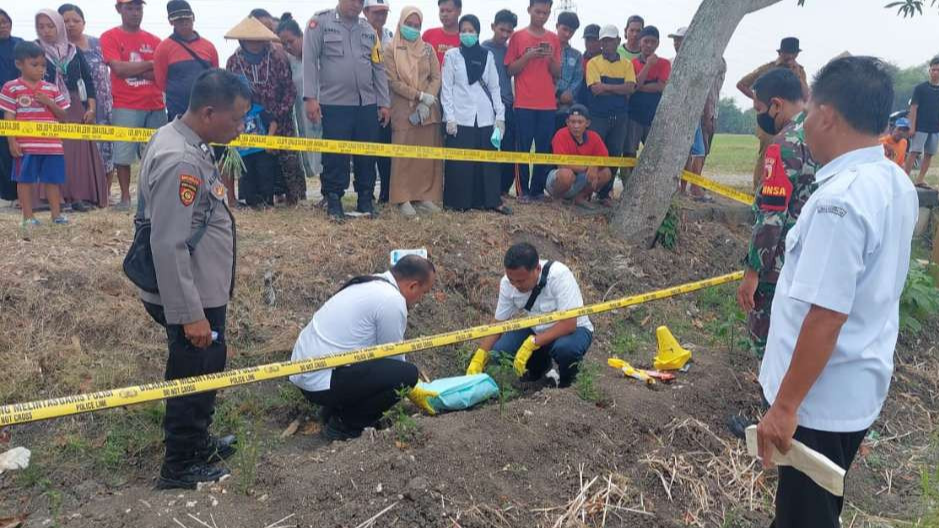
x: 578, y: 183
x: 652, y: 73
x: 502, y: 28
x: 445, y: 38
x: 534, y: 59
x: 895, y: 143
x: 36, y: 160
x: 572, y: 67
x: 611, y: 80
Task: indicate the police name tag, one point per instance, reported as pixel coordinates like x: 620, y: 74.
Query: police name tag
x: 399, y: 254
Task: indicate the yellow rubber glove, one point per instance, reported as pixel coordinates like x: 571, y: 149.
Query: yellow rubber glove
x: 524, y: 354
x: 478, y: 363
x: 419, y: 397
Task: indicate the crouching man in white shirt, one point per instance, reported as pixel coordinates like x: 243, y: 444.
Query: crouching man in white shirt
x: 829, y: 355
x: 369, y: 310
x: 533, y: 287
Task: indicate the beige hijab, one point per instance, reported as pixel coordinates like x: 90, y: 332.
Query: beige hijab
x: 408, y: 55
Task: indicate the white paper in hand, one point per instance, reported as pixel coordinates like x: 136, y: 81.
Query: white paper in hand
x: 815, y: 465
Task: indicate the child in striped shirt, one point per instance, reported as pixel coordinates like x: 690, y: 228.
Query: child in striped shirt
x: 36, y: 160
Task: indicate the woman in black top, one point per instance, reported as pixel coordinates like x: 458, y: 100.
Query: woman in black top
x: 85, y: 177
x: 8, y: 72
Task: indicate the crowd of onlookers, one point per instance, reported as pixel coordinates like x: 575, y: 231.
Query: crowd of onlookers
x: 340, y: 76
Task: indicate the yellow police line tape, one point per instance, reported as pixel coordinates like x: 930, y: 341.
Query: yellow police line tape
x: 327, y: 146
x: 20, y: 413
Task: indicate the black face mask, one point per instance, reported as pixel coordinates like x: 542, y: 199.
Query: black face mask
x: 767, y: 123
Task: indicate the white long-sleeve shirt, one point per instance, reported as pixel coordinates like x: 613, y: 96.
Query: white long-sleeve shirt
x: 364, y: 315
x: 476, y: 105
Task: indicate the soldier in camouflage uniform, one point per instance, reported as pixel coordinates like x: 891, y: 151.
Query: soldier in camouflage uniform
x: 788, y: 181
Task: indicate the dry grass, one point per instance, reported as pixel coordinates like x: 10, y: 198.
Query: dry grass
x: 705, y: 475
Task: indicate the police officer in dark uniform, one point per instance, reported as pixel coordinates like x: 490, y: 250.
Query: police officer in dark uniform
x: 193, y: 243
x: 345, y: 86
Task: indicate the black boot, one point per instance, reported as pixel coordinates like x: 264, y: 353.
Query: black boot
x: 334, y: 207
x: 365, y: 205
x: 189, y: 477
x: 217, y: 449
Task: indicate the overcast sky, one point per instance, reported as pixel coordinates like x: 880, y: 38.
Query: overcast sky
x: 826, y: 27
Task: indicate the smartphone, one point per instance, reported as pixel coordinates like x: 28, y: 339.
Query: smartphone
x: 545, y: 47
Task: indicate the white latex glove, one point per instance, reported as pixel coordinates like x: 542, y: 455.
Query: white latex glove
x: 427, y: 99
x: 16, y: 458
x: 423, y: 111
x: 451, y: 128
x: 500, y: 124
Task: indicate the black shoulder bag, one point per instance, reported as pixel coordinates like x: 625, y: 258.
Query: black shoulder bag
x: 138, y: 263
x: 540, y: 286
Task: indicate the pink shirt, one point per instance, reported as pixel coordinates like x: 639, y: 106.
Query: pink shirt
x: 19, y: 98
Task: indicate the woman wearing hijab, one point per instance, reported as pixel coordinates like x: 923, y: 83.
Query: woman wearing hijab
x: 90, y: 47
x: 267, y: 71
x: 86, y: 182
x: 414, y: 80
x: 8, y: 72
x: 475, y: 117
x: 291, y: 36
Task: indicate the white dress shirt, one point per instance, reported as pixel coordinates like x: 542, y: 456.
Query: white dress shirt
x: 470, y: 106
x: 560, y: 293
x: 364, y: 315
x: 849, y: 252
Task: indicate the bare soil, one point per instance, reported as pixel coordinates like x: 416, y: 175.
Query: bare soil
x: 70, y: 322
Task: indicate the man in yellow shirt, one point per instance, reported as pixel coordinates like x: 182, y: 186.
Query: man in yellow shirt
x: 611, y: 80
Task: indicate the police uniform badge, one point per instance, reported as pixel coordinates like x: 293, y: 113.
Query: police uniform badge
x: 219, y: 190
x: 188, y: 189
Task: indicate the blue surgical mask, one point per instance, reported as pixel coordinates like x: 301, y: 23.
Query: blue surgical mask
x: 469, y: 39
x: 496, y: 138
x: 410, y: 34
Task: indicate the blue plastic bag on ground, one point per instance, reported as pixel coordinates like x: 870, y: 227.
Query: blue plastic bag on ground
x: 461, y: 392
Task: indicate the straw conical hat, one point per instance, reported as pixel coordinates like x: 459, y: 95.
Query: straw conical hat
x: 251, y: 29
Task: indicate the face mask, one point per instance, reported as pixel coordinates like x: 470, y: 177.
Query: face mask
x: 469, y: 39
x: 496, y: 138
x: 767, y: 123
x: 410, y: 34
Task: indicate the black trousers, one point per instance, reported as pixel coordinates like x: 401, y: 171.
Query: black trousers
x: 257, y: 184
x: 509, y: 144
x: 349, y: 123
x: 613, y: 131
x: 384, y: 165
x: 360, y: 394
x: 800, y: 502
x: 7, y: 185
x: 187, y: 420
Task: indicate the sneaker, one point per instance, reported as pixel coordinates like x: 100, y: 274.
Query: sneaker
x: 189, y: 477
x: 122, y: 206
x: 336, y: 431
x: 525, y: 199
x: 365, y: 205
x: 407, y: 210
x: 29, y: 222
x: 334, y: 208
x: 218, y: 449
x: 60, y: 220
x: 737, y: 425
x: 80, y: 206
x: 428, y: 207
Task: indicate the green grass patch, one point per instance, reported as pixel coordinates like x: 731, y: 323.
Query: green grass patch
x: 732, y: 154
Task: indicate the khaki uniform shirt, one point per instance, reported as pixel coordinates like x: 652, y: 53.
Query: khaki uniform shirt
x: 342, y: 62
x: 182, y: 190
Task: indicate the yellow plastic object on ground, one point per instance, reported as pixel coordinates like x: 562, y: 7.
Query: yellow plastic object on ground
x: 671, y: 355
x: 630, y: 371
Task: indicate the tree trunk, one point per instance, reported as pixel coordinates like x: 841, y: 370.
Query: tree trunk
x: 654, y: 181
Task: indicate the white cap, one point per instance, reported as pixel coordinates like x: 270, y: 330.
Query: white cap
x: 679, y: 33
x: 377, y: 3
x: 609, y: 31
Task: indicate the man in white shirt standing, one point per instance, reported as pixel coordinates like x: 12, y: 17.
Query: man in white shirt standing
x: 533, y: 287
x: 829, y: 356
x: 369, y: 310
